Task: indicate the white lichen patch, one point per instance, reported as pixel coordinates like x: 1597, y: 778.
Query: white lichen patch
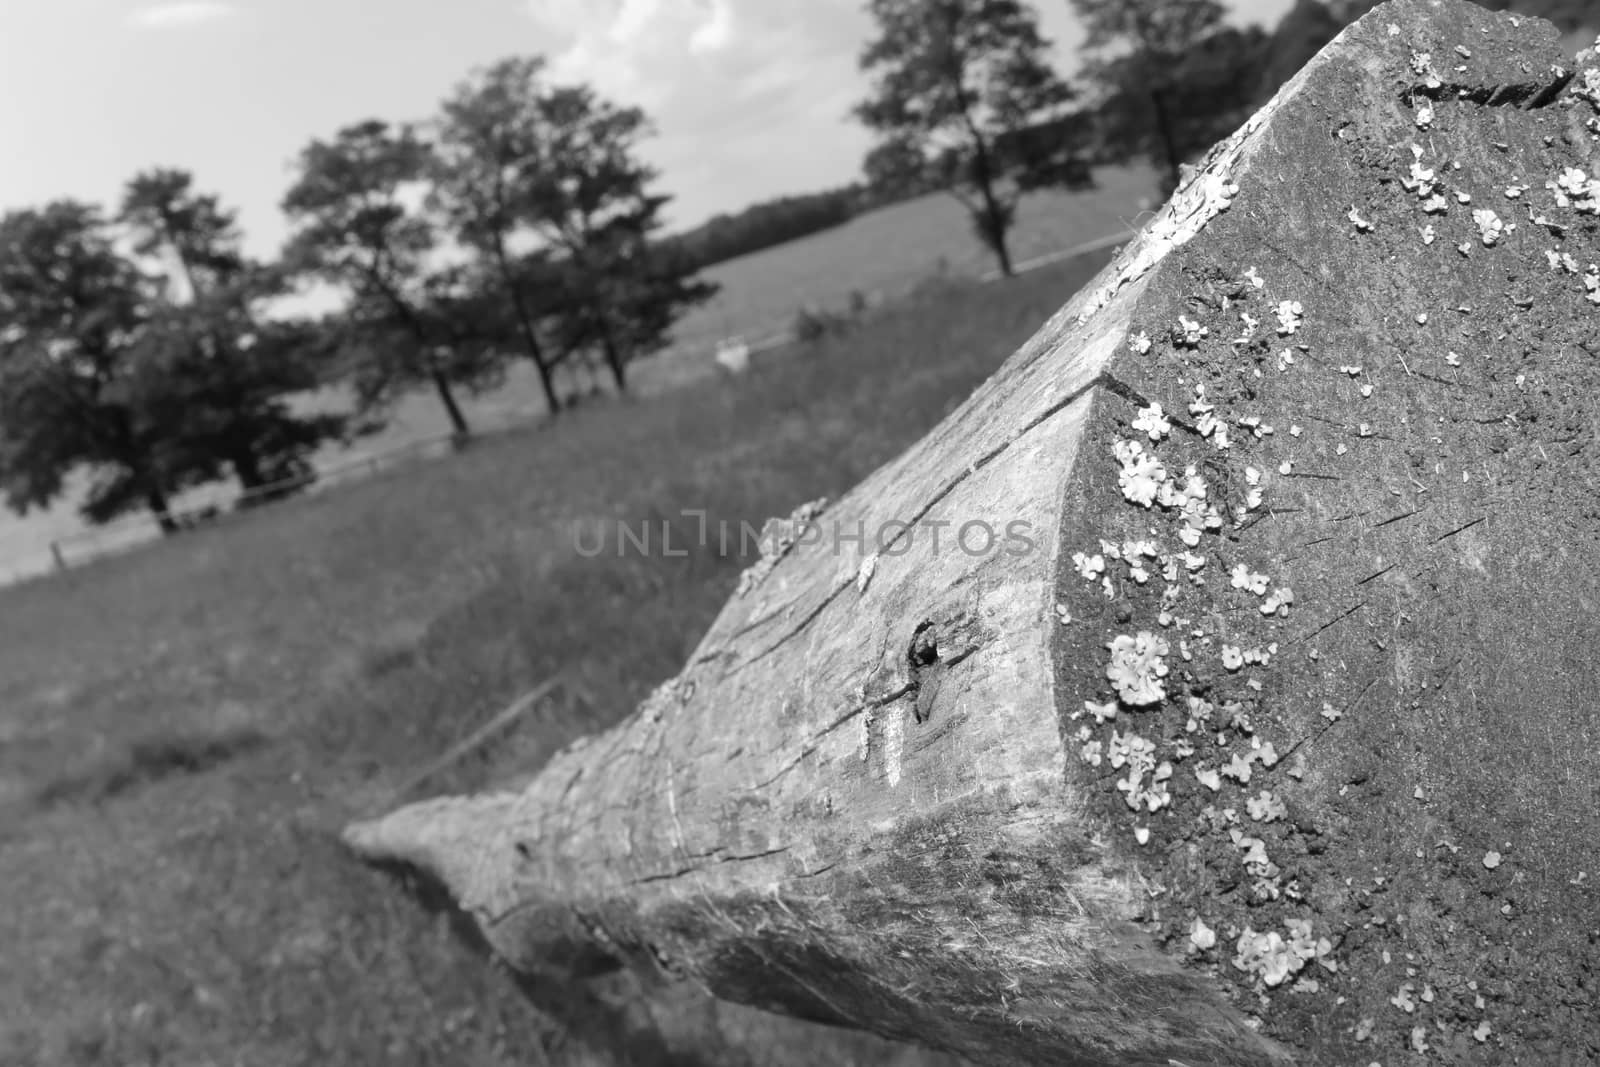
x: 1561, y: 261
x: 1422, y: 66
x: 1243, y: 577
x: 1137, y: 668
x: 1267, y: 957
x: 1250, y: 324
x: 1141, y: 475
x: 1586, y: 86
x: 1266, y: 806
x: 1253, y: 423
x: 1140, y: 342
x: 1152, y: 421
x: 1189, y: 333
x: 1361, y: 224
x: 1489, y: 226
x: 1278, y: 601
x: 1575, y: 189
x: 1090, y: 567
x: 1424, y: 116
x: 1290, y: 315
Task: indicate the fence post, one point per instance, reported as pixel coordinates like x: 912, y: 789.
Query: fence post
x: 55, y: 553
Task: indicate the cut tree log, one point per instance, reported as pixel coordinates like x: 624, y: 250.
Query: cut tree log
x: 1215, y: 686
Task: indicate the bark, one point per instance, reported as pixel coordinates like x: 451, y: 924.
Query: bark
x: 867, y: 798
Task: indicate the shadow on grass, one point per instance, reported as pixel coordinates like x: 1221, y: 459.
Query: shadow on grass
x: 620, y: 1032
x: 146, y: 761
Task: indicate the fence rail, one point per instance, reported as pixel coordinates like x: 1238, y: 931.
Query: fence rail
x: 98, y: 541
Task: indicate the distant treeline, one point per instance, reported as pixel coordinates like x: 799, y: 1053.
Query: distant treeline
x: 1230, y: 73
x: 771, y: 222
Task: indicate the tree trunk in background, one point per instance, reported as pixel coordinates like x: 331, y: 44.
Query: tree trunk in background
x: 156, y: 500
x: 614, y: 359
x: 1072, y: 736
x: 246, y: 469
x: 530, y: 338
x: 458, y: 421
x: 994, y: 217
x: 1169, y: 144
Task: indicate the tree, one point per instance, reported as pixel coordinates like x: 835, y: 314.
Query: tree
x: 586, y: 199
x: 1175, y: 78
x: 486, y: 147
x: 952, y: 78
x: 356, y: 227
x: 210, y: 370
x: 72, y: 316
x: 1302, y: 32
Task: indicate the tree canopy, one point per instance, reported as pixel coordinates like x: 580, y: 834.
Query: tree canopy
x: 72, y: 315
x: 358, y: 225
x: 951, y: 79
x: 211, y: 370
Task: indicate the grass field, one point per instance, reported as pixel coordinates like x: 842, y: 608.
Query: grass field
x: 183, y: 729
x: 883, y: 253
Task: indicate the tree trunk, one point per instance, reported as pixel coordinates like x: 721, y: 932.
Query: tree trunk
x: 246, y: 469
x: 994, y: 215
x: 458, y: 421
x: 614, y: 359
x: 1026, y: 750
x: 530, y: 338
x: 156, y: 500
x: 1168, y: 142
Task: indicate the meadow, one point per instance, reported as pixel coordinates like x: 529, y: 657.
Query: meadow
x: 184, y: 728
x: 879, y: 255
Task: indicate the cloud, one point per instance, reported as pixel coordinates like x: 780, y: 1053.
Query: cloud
x: 728, y: 85
x: 179, y: 13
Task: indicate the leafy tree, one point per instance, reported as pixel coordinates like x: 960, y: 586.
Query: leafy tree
x: 1176, y: 78
x: 1302, y: 32
x: 486, y: 147
x: 355, y: 229
x: 585, y: 197
x: 72, y: 316
x: 953, y: 82
x: 210, y: 370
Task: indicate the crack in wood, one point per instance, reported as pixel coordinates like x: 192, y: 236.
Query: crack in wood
x: 848, y: 583
x: 1391, y: 520
x: 1461, y: 529
x: 1327, y: 625
x: 669, y: 876
x: 1377, y: 574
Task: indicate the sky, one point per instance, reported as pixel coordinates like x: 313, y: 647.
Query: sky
x: 750, y: 98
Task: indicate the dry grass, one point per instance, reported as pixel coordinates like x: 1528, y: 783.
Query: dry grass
x: 183, y: 729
